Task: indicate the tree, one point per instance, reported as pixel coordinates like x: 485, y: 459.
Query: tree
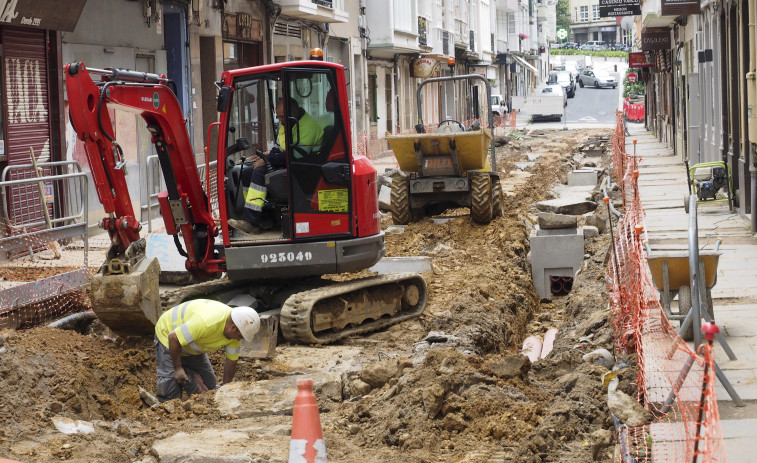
x: 562, y: 11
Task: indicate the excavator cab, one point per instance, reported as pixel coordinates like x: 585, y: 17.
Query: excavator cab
x: 311, y: 134
x: 320, y: 194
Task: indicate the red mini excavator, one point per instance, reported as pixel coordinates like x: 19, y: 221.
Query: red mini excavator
x: 321, y: 210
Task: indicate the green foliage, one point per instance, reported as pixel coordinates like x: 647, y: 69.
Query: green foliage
x: 636, y: 88
x: 606, y: 53
x: 563, y: 15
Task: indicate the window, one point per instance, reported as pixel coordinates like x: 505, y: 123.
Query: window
x: 511, y: 23
x: 583, y: 14
x: 404, y: 16
x: 595, y: 12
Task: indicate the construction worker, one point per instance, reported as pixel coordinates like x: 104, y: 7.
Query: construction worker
x: 184, y: 335
x: 306, y: 133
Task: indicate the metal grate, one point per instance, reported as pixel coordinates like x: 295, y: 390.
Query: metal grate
x: 287, y: 30
x: 472, y: 41
x: 445, y: 42
x: 492, y: 39
x: 326, y: 3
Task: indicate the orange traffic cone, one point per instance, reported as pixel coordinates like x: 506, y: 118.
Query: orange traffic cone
x: 306, y: 444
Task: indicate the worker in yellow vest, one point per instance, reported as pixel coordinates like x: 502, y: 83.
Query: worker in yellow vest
x: 184, y: 335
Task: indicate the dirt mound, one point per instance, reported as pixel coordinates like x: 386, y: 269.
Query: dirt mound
x: 76, y: 376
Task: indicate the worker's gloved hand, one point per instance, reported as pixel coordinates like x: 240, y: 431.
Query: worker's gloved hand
x: 181, y: 376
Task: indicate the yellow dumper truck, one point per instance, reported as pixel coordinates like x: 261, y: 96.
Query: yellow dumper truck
x: 453, y: 167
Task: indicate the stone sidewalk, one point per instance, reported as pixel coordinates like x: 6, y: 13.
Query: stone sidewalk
x: 662, y: 187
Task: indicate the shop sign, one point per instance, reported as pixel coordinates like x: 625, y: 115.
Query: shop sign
x: 41, y: 14
x: 615, y: 8
x: 423, y: 67
x: 679, y: 7
x: 638, y: 60
x: 655, y: 38
x: 241, y: 26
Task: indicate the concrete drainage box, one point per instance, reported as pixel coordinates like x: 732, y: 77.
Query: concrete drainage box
x: 555, y: 253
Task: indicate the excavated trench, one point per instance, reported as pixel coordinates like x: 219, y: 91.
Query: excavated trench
x: 450, y: 386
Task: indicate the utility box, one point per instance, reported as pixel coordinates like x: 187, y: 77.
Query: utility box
x: 555, y: 253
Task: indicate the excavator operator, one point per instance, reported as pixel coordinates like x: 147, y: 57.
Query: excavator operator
x: 306, y: 130
x: 184, y: 335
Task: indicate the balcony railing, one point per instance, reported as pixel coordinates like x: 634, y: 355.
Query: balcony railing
x: 422, y: 31
x: 326, y: 3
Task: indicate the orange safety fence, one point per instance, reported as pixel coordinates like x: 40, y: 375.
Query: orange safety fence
x: 689, y: 426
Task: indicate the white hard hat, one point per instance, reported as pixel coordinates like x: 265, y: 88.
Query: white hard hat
x: 247, y: 320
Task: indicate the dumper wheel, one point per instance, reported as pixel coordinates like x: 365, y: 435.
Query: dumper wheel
x: 684, y: 306
x: 400, y: 200
x: 498, y: 199
x: 481, y: 197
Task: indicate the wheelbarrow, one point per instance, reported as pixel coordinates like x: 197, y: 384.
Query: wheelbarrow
x: 671, y: 277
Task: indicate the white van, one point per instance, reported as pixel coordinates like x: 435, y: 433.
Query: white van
x: 594, y: 45
x: 496, y: 103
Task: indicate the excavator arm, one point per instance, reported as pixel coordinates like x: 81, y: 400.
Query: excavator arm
x: 125, y: 291
x: 184, y: 205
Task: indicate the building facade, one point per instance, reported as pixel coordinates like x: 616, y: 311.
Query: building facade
x: 701, y: 85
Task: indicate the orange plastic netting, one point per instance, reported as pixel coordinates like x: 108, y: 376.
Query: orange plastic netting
x: 689, y: 427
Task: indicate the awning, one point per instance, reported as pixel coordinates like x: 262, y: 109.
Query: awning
x: 525, y: 63
x: 43, y: 14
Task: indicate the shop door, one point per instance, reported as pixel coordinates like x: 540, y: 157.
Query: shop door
x: 27, y: 106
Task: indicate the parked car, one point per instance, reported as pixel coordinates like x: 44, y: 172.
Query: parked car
x: 597, y: 78
x: 594, y: 45
x: 556, y: 89
x: 570, y: 45
x: 565, y: 78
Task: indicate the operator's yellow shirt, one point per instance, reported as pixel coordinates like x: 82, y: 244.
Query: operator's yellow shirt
x: 198, y: 326
x: 310, y: 132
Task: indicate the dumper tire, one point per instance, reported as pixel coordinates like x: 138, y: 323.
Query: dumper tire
x: 498, y: 199
x: 400, y: 200
x: 684, y: 306
x: 481, y: 198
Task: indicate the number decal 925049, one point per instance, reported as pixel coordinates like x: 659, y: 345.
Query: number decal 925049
x: 283, y: 257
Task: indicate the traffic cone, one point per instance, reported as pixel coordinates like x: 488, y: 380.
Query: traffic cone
x: 306, y: 444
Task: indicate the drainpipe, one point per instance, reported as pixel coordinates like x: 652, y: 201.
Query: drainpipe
x: 396, y: 91
x: 751, y: 87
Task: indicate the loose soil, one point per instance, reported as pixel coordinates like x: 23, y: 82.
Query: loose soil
x: 464, y: 394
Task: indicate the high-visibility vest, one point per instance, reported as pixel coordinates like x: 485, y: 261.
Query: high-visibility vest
x: 198, y: 325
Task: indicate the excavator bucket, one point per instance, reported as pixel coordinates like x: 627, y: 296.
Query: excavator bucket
x: 128, y: 303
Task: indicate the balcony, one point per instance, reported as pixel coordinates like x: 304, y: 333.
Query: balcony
x: 323, y: 11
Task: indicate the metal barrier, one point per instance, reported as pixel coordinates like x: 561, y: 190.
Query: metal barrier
x: 23, y: 239
x: 154, y: 188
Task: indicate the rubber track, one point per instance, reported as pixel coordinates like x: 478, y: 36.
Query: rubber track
x: 481, y: 198
x: 295, y: 319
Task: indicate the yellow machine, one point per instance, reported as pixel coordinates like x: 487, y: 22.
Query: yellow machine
x: 454, y: 167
